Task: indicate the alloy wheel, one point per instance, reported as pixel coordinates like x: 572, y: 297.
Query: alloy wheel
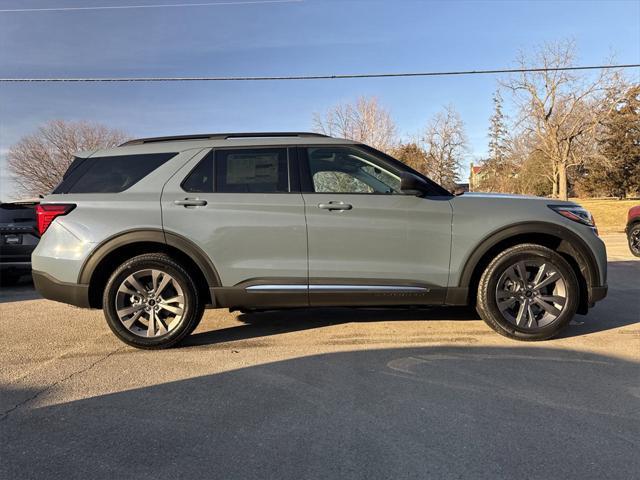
x: 531, y: 294
x: 150, y: 303
x: 634, y: 241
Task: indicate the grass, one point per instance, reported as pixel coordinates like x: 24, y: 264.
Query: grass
x: 610, y: 214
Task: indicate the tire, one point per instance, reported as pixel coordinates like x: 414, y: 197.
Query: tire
x: 504, y: 296
x: 162, y: 319
x: 633, y: 237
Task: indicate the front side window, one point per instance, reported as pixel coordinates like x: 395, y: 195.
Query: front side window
x: 349, y: 170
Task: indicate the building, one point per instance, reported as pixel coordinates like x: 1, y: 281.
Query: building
x: 475, y: 176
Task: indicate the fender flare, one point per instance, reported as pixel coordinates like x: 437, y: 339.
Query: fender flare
x: 576, y: 246
x: 128, y: 237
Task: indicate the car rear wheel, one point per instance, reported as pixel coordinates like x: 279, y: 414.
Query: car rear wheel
x: 151, y: 302
x: 528, y: 292
x: 634, y: 239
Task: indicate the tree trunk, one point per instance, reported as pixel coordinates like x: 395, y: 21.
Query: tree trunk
x: 554, y: 185
x: 562, y: 182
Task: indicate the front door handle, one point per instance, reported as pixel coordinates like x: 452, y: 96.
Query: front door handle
x: 191, y: 202
x: 335, y: 206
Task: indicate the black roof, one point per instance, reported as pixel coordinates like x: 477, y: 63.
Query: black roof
x: 221, y: 136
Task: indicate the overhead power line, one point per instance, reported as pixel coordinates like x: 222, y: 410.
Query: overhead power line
x: 314, y: 77
x: 158, y: 5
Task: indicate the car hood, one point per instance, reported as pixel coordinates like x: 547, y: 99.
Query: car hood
x: 507, y: 199
x: 494, y: 210
x: 510, y: 196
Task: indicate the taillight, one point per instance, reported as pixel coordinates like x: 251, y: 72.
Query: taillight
x: 47, y: 213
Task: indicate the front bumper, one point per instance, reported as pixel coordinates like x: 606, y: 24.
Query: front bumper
x: 52, y: 289
x: 597, y: 293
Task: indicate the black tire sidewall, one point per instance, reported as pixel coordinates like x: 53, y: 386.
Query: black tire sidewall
x: 634, y: 228
x: 192, y: 310
x: 490, y: 305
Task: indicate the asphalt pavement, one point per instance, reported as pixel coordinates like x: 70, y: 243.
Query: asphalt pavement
x: 332, y: 393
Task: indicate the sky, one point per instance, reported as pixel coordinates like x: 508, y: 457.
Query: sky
x: 298, y: 37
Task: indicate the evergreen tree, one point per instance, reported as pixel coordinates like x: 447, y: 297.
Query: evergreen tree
x: 413, y: 155
x: 497, y: 170
x: 620, y: 145
x: 616, y: 169
x: 498, y: 136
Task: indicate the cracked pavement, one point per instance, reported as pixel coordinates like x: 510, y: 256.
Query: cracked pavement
x: 327, y: 393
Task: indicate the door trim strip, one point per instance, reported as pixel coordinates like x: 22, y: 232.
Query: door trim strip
x: 270, y: 288
x: 350, y: 288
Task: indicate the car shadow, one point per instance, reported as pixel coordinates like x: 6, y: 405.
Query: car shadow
x: 619, y: 309
x: 275, y: 322
x: 18, y: 291
x: 429, y: 412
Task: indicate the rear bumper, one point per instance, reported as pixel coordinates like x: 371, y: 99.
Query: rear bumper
x: 52, y: 289
x: 15, y: 266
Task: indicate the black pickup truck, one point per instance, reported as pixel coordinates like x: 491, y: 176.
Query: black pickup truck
x: 18, y: 238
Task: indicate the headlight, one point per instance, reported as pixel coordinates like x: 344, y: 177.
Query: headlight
x: 575, y: 213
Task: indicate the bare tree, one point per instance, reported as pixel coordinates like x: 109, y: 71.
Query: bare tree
x: 444, y: 142
x: 532, y: 173
x: 39, y: 160
x: 557, y: 108
x: 365, y: 121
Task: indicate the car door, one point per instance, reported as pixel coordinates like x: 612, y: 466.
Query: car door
x: 368, y: 242
x: 236, y: 204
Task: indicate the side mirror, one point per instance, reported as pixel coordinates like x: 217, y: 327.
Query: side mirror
x: 411, y: 184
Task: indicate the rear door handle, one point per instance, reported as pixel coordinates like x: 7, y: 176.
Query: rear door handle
x: 191, y: 202
x: 335, y: 206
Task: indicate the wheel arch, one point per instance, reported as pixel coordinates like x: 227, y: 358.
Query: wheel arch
x: 113, y: 251
x: 563, y: 241
x: 632, y: 223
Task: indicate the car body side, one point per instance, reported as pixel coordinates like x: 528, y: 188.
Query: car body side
x: 633, y: 217
x: 79, y: 250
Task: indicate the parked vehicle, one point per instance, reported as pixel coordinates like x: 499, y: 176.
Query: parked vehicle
x: 633, y: 230
x: 158, y: 228
x: 18, y: 239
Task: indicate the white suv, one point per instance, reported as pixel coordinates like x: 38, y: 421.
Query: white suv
x: 156, y: 229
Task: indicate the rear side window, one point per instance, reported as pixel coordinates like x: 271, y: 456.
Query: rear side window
x: 200, y: 180
x: 259, y: 170
x: 109, y: 174
x: 252, y: 171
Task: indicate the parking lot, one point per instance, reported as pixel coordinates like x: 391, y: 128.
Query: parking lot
x: 329, y: 393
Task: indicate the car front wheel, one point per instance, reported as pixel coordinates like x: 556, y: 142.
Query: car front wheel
x: 528, y: 292
x: 151, y: 302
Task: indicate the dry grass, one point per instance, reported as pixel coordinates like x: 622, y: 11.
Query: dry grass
x: 610, y: 214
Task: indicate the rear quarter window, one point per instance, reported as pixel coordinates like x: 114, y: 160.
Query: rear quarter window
x: 110, y: 174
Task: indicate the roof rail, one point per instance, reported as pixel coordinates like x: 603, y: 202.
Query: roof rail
x: 220, y: 136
